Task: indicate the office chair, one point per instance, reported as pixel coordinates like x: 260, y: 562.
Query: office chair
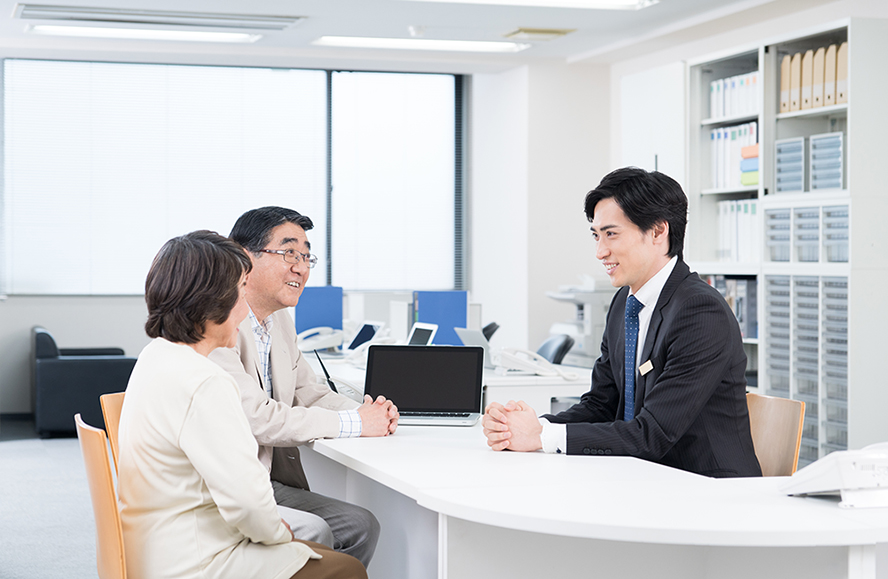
x: 776, y: 425
x: 110, y: 561
x: 489, y: 330
x: 555, y: 348
x: 112, y: 404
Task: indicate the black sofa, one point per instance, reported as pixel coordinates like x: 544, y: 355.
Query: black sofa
x: 70, y: 380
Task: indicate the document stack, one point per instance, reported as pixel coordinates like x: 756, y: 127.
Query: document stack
x: 736, y: 96
x: 726, y: 156
x: 814, y: 79
x: 738, y: 231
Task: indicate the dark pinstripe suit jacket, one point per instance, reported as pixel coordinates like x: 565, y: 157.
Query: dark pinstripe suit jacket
x: 690, y: 409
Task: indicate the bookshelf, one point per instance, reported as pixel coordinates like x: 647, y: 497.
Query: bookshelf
x: 818, y: 259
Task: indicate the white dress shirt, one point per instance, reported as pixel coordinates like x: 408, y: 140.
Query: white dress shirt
x: 554, y: 436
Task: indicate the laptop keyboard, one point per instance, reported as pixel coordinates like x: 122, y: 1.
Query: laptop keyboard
x: 436, y: 414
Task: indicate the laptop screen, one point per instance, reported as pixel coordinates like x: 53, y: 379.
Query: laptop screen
x: 426, y: 378
x: 367, y: 332
x: 420, y: 336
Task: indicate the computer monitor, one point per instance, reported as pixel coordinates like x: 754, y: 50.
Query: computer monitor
x: 367, y: 332
x: 421, y: 334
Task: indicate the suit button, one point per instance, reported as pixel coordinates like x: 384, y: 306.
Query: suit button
x: 600, y: 451
x: 586, y: 451
x: 608, y: 451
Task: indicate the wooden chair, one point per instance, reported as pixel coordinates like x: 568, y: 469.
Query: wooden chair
x: 776, y: 425
x: 111, y: 406
x: 110, y: 560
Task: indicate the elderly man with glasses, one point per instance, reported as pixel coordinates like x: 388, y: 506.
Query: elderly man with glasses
x: 286, y: 405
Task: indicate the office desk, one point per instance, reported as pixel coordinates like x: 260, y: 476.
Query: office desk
x: 451, y: 508
x: 537, y: 391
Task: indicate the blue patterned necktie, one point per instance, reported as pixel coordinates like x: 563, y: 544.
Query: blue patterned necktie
x: 630, y: 325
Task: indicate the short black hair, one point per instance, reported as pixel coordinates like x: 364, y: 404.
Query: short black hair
x: 193, y: 279
x: 252, y: 230
x: 647, y: 198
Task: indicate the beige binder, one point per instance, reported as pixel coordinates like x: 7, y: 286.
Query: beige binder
x: 795, y: 82
x: 829, y: 76
x: 807, y: 74
x: 842, y: 73
x: 817, y: 78
x: 784, y: 84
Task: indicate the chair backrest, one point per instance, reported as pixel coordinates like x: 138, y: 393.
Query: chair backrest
x: 489, y: 330
x: 776, y: 425
x: 111, y: 407
x: 110, y: 560
x: 555, y: 348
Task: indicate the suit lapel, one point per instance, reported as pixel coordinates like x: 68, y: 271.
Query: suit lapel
x: 679, y: 273
x: 248, y: 353
x: 281, y: 364
x: 618, y: 346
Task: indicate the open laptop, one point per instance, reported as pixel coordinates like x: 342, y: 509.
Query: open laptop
x: 476, y: 338
x: 431, y: 385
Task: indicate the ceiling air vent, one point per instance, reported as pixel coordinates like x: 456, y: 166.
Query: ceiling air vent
x: 537, y: 34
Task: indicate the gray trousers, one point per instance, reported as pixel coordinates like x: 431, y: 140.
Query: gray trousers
x: 340, y: 525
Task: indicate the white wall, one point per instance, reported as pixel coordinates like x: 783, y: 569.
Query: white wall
x: 653, y: 135
x: 498, y: 190
x: 538, y: 144
x: 569, y: 120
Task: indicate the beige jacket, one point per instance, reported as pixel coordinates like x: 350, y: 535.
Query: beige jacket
x: 182, y: 435
x: 303, y: 408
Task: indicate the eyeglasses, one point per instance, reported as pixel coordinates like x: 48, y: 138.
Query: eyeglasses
x: 294, y: 257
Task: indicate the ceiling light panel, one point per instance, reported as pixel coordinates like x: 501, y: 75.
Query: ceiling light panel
x: 75, y: 14
x: 583, y: 4
x: 420, y: 44
x: 142, y: 33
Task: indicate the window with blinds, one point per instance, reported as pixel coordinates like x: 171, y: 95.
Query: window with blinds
x: 104, y: 162
x: 393, y: 181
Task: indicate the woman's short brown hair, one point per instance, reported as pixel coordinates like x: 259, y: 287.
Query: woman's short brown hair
x: 193, y: 279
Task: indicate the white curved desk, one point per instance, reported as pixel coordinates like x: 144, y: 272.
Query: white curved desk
x: 450, y: 507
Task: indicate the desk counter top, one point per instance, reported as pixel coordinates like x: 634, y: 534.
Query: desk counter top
x: 453, y: 472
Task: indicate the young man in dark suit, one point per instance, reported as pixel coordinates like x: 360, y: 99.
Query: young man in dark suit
x: 670, y: 384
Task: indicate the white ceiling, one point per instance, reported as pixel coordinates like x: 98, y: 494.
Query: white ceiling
x: 601, y: 35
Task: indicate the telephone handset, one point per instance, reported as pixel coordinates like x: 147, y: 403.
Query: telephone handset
x: 527, y: 361
x: 319, y: 338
